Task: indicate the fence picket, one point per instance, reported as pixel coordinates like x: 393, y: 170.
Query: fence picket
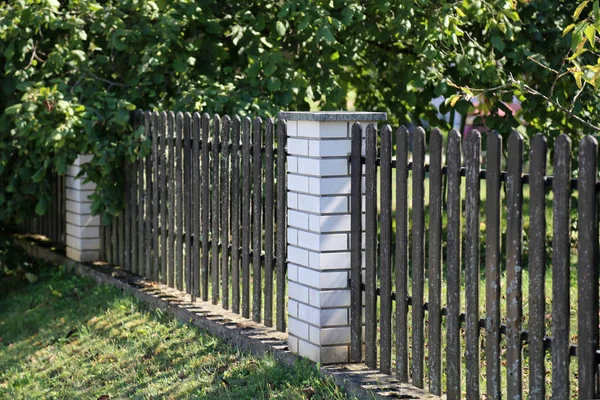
x: 561, y: 276
x: 402, y: 254
x: 215, y: 209
x: 269, y: 204
x: 189, y: 211
x: 514, y: 232
x: 225, y: 211
x: 148, y: 165
x: 453, y: 352
x: 203, y: 242
x: 418, y: 254
x: 257, y: 219
x: 155, y: 195
x: 435, y: 262
x: 280, y: 248
x: 198, y: 222
x: 133, y: 204
x: 246, y: 218
x: 141, y: 234
x: 163, y: 196
x: 587, y: 269
x: 371, y: 248
x: 170, y: 150
x: 493, y: 257
x: 472, y: 152
x: 385, y: 255
x: 235, y: 216
x: 537, y: 265
x: 181, y: 121
x: 356, y: 248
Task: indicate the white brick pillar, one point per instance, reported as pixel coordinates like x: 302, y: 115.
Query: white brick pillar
x: 83, y: 229
x: 319, y: 145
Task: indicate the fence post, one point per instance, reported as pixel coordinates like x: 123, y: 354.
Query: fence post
x: 83, y: 229
x: 318, y: 231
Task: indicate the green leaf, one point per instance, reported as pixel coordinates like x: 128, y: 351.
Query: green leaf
x: 498, y: 43
x: 41, y: 206
x: 568, y: 29
x: 280, y: 28
x: 31, y: 278
x: 13, y: 109
x: 579, y: 9
x: 54, y: 4
x: 327, y: 35
x: 590, y: 34
x: 79, y: 54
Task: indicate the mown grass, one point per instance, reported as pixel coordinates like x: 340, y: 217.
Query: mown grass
x: 66, y: 337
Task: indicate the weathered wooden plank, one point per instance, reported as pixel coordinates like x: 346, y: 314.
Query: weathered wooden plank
x: 418, y: 255
x: 133, y: 201
x: 371, y: 248
x: 126, y: 216
x: 537, y: 265
x: 170, y: 154
x: 280, y: 250
x: 493, y: 257
x: 514, y: 232
x: 435, y: 262
x: 356, y: 246
x: 215, y: 210
x: 257, y: 164
x: 561, y: 276
x: 155, y: 195
x: 402, y: 254
x: 453, y: 351
x: 179, y: 206
x: 163, y: 194
x: 269, y: 228
x: 203, y: 242
x: 149, y: 196
x: 225, y: 179
x: 141, y: 217
x: 587, y: 269
x: 472, y: 152
x: 197, y: 203
x: 188, y: 211
x: 235, y: 215
x: 246, y: 218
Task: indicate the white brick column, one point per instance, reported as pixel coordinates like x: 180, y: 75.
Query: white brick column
x: 319, y: 145
x: 83, y: 229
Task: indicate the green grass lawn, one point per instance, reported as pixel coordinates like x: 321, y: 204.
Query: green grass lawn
x: 66, y: 337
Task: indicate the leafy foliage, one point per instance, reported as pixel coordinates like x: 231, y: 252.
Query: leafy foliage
x: 74, y: 69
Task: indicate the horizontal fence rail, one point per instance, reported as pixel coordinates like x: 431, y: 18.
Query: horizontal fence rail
x: 205, y: 211
x: 475, y: 272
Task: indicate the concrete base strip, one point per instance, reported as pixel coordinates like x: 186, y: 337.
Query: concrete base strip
x: 249, y: 336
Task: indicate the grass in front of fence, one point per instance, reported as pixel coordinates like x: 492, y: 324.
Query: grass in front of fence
x: 66, y: 337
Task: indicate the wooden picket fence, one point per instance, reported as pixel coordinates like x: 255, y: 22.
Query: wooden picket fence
x: 205, y: 211
x: 404, y: 284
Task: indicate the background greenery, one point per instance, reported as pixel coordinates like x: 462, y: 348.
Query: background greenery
x: 73, y: 70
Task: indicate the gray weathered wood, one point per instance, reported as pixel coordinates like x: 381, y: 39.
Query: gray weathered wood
x: 235, y: 215
x: 257, y: 219
x: 402, y: 254
x: 493, y: 257
x: 225, y: 181
x: 537, y: 267
x: 149, y: 206
x: 141, y: 216
x: 453, y: 351
x: 269, y: 228
x: 356, y: 324
x: 197, y: 203
x: 170, y: 150
x: 385, y: 255
x: 587, y: 269
x: 134, y: 204
x: 514, y: 232
x: 561, y: 276
x: 371, y: 248
x: 435, y: 262
x: 215, y: 209
x: 156, y: 133
x: 204, y: 193
x: 281, y: 248
x: 181, y: 121
x: 472, y: 151
x: 246, y: 218
x: 418, y: 255
x: 188, y: 212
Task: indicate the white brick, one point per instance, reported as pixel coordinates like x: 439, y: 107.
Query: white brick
x: 298, y: 292
x: 83, y: 256
x: 333, y: 280
x: 83, y: 220
x: 335, y: 129
x: 330, y: 148
x: 309, y: 314
x: 292, y: 128
x: 73, y: 170
x: 292, y: 272
x: 83, y: 232
x: 293, y: 308
x: 77, y: 183
x: 309, y: 351
x: 308, y: 240
x: 297, y: 256
x: 83, y: 244
x: 78, y: 195
x: 298, y: 328
x: 330, y: 223
x: 317, y: 167
x: 323, y: 205
x: 325, y: 261
x: 292, y: 200
x: 308, y: 277
x: 338, y: 335
x: 297, y: 183
x: 292, y: 236
x: 83, y: 159
x: 309, y: 129
x: 334, y: 354
x: 78, y: 207
x: 293, y: 344
x: 338, y: 185
x: 297, y: 219
x: 314, y: 335
x: 292, y: 164
x: 323, y: 242
x: 298, y: 147
x: 330, y: 298
x: 335, y: 316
